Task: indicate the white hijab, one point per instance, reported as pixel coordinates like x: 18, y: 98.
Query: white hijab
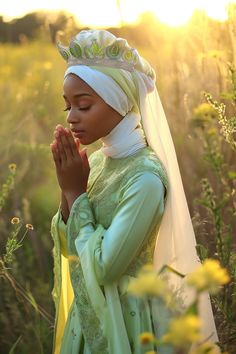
x: 128, y: 136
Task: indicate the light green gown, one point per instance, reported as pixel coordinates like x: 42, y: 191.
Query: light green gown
x: 110, y: 234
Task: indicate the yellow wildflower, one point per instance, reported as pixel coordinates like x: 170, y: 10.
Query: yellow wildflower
x: 183, y: 331
x: 148, y: 283
x: 47, y: 65
x: 12, y: 167
x: 208, y: 276
x: 15, y: 220
x: 147, y: 268
x: 29, y: 226
x: 151, y: 352
x: 146, y: 337
x: 212, y: 131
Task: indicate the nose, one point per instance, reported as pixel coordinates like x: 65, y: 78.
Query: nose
x: 73, y: 116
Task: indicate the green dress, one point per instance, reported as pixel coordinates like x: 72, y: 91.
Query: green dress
x: 110, y: 234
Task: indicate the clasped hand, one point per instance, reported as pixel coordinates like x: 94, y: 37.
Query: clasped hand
x: 71, y: 163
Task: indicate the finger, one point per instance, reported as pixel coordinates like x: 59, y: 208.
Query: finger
x: 55, y: 154
x: 58, y: 133
x: 84, y: 157
x: 72, y: 143
x: 77, y: 143
x: 67, y: 146
x: 61, y: 151
x: 59, y: 127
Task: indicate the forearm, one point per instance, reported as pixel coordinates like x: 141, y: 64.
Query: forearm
x: 71, y: 197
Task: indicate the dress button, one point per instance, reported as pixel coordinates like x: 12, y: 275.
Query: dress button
x: 133, y: 313
x: 102, y: 237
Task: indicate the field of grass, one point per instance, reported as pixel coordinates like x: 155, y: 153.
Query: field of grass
x: 188, y: 61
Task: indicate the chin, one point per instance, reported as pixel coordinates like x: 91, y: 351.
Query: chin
x: 85, y: 141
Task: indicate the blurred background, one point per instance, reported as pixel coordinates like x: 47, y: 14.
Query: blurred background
x: 192, y: 47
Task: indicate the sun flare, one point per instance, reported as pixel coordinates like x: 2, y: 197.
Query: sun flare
x: 101, y: 13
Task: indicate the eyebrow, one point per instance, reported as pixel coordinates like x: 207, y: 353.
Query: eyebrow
x: 78, y: 95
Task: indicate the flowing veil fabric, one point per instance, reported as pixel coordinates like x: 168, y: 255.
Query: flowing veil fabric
x: 176, y: 241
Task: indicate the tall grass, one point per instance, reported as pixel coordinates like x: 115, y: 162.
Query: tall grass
x: 188, y: 60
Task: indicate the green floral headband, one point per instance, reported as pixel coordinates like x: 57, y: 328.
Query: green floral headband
x: 102, y: 48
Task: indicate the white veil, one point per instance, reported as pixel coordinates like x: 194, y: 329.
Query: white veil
x: 176, y: 241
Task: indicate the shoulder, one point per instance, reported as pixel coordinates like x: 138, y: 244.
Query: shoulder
x: 147, y: 163
x: 145, y: 183
x: 95, y: 158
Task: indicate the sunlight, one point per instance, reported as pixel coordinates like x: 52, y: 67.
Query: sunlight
x: 101, y: 13
x: 175, y: 13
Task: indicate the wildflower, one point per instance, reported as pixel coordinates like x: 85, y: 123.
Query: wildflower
x: 147, y: 268
x: 15, y: 220
x: 12, y: 167
x: 47, y: 65
x: 151, y: 352
x: 146, y: 337
x: 208, y: 276
x: 212, y: 131
x: 29, y: 226
x: 148, y: 283
x: 183, y: 331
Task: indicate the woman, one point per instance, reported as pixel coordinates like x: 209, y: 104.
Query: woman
x: 119, y: 206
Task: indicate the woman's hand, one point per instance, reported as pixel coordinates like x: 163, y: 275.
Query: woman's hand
x: 72, y: 165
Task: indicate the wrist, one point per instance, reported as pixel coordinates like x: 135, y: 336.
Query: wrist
x: 72, y: 196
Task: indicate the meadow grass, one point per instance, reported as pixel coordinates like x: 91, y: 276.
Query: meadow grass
x: 31, y: 106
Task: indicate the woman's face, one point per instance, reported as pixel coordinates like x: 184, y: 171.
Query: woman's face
x: 90, y: 118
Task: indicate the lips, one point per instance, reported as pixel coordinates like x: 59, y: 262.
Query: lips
x: 77, y: 133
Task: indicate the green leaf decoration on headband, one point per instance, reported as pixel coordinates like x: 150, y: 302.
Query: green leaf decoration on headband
x: 94, y: 51
x: 102, y: 48
x: 114, y: 51
x: 75, y: 50
x: 63, y: 51
x: 130, y: 56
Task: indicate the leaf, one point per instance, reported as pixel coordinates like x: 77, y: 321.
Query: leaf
x: 14, y: 345
x: 192, y: 309
x: 32, y: 300
x: 202, y: 251
x: 232, y: 174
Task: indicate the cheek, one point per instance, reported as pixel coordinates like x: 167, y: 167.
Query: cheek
x: 99, y: 119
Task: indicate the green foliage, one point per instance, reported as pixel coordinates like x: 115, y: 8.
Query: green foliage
x: 8, y: 264
x: 218, y: 200
x: 7, y: 186
x: 187, y: 60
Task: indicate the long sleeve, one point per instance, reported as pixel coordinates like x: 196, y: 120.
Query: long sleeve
x: 140, y: 207
x: 60, y: 227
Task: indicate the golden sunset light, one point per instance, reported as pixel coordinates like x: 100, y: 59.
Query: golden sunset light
x: 111, y: 12
x: 118, y: 176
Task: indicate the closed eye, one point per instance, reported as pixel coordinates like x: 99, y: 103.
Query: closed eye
x: 84, y: 108
x: 81, y: 109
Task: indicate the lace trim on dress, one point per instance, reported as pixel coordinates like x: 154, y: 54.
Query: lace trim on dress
x: 90, y: 324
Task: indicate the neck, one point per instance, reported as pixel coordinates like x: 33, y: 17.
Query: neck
x: 125, y: 139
